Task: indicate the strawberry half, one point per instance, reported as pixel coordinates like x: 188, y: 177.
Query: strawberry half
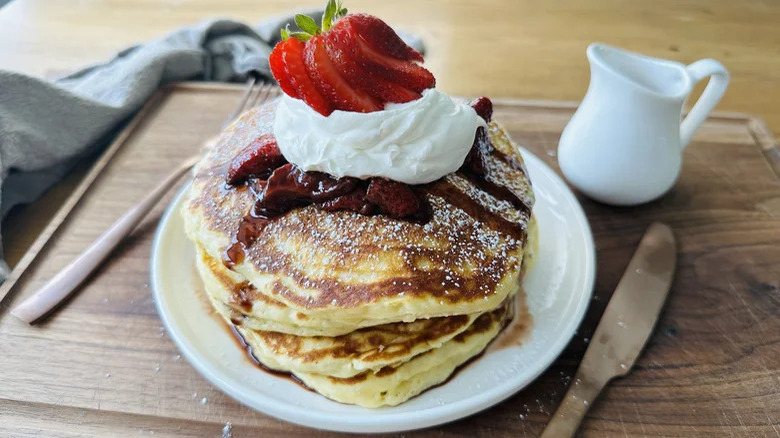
x: 292, y: 55
x: 331, y: 84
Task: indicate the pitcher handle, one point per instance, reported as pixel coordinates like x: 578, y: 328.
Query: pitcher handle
x: 709, y: 98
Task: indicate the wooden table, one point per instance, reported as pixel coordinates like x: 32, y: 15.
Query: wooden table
x: 103, y: 366
x: 719, y: 342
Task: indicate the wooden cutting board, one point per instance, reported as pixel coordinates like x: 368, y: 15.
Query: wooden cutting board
x: 104, y: 366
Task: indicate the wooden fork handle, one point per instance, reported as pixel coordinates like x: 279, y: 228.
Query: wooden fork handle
x: 72, y: 275
x: 578, y: 399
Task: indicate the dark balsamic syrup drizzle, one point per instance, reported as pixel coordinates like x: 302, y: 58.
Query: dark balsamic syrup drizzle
x: 473, y: 208
x: 498, y: 191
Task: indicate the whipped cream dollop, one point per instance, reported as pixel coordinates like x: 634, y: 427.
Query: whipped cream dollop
x: 414, y: 142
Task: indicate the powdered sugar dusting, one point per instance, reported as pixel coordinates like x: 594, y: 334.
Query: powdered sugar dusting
x: 347, y: 259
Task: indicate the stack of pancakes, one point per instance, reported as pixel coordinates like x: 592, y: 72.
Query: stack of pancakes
x: 364, y: 310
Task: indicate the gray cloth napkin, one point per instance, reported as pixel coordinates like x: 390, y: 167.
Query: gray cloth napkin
x: 47, y: 127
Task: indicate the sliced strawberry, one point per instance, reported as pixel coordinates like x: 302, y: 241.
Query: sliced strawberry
x: 394, y: 199
x: 260, y: 156
x: 408, y: 74
x: 382, y: 37
x: 345, y: 62
x: 331, y: 84
x: 292, y: 55
x: 390, y: 92
x: 404, y: 73
x: 276, y: 63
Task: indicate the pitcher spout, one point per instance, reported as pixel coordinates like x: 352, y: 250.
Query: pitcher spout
x: 656, y: 77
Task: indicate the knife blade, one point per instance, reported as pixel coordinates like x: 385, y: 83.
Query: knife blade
x: 624, y: 328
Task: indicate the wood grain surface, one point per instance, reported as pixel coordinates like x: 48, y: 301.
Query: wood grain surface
x: 104, y: 366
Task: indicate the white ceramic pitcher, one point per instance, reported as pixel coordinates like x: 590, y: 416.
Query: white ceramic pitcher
x: 624, y: 144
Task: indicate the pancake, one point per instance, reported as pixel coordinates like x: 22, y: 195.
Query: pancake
x: 392, y: 386
x: 231, y: 290
x: 331, y: 273
x: 367, y: 349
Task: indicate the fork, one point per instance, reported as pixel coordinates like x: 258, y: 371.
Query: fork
x: 62, y: 285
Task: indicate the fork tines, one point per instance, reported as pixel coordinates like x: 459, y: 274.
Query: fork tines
x: 257, y: 92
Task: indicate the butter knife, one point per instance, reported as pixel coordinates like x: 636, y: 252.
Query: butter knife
x: 623, y: 330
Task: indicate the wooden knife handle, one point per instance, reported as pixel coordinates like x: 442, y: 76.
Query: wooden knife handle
x: 578, y: 399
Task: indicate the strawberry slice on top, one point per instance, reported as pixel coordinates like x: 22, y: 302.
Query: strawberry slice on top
x: 295, y: 72
x: 351, y: 62
x: 276, y: 63
x: 344, y: 50
x: 331, y: 84
x: 382, y: 37
x: 404, y: 73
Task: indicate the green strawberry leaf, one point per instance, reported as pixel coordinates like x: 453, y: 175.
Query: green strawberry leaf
x: 286, y: 33
x: 327, y: 17
x: 307, y: 24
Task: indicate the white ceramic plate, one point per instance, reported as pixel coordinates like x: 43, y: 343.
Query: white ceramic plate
x: 558, y: 289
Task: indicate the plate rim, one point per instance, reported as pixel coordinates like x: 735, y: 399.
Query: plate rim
x: 388, y: 422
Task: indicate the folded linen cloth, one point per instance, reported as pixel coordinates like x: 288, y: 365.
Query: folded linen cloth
x: 46, y: 127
